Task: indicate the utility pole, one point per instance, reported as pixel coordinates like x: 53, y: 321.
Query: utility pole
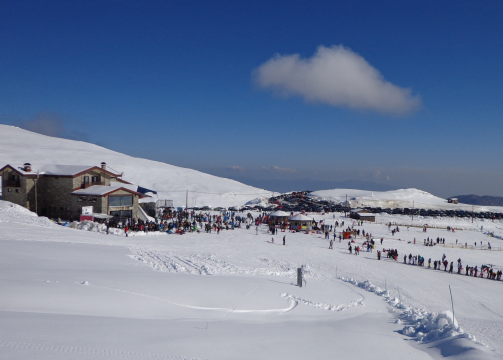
x: 472, y: 213
x: 346, y: 205
x: 187, y: 201
x: 412, y: 210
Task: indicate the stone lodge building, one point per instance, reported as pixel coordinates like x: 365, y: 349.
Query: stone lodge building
x: 60, y: 191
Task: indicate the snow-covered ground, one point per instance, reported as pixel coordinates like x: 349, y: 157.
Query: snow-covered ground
x: 74, y: 294
x: 402, y: 198
x: 171, y: 182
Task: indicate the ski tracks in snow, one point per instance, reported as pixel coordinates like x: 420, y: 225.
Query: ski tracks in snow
x: 199, y: 264
x: 325, y: 306
x: 293, y: 303
x: 90, y: 351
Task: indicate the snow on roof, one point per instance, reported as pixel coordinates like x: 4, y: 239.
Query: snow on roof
x: 279, y: 213
x: 52, y: 169
x: 300, y: 217
x: 365, y: 214
x: 99, y: 190
x: 131, y: 187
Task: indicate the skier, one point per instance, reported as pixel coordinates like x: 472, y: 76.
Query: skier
x: 331, y: 244
x: 284, y: 239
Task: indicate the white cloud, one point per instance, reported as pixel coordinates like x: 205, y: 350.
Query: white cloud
x: 376, y: 175
x: 235, y: 168
x: 335, y: 76
x: 278, y: 169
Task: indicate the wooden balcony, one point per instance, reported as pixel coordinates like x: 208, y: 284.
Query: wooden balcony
x: 88, y: 184
x: 12, y: 183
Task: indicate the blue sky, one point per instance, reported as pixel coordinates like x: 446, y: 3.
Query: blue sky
x: 178, y: 82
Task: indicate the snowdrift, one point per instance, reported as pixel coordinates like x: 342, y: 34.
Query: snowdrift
x: 13, y: 213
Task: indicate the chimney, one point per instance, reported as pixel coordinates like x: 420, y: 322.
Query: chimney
x: 104, y: 165
x: 27, y: 167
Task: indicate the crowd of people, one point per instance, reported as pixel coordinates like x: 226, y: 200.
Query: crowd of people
x: 419, y: 260
x: 180, y: 222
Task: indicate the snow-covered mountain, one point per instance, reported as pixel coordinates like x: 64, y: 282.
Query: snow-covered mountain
x: 21, y: 146
x: 402, y: 198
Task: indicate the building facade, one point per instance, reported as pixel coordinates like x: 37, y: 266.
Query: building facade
x: 60, y: 191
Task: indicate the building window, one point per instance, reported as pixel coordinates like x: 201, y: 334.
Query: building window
x: 95, y: 179
x: 17, y: 190
x: 9, y: 190
x: 86, y: 179
x: 92, y: 199
x: 124, y: 214
x: 120, y: 201
x: 81, y: 198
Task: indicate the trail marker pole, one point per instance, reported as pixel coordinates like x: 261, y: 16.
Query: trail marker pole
x: 452, y: 303
x: 299, y: 277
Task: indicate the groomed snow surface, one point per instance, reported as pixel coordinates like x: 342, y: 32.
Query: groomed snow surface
x: 75, y: 294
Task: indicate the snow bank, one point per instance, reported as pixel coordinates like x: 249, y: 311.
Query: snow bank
x: 102, y: 229
x: 420, y: 324
x: 13, y: 213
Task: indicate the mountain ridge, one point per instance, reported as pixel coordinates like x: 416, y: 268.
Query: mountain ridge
x: 486, y: 200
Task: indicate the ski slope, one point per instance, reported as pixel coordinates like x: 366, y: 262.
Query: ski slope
x: 76, y: 294
x: 171, y: 182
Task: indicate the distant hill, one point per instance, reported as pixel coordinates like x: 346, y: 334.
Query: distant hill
x: 283, y: 186
x: 480, y: 200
